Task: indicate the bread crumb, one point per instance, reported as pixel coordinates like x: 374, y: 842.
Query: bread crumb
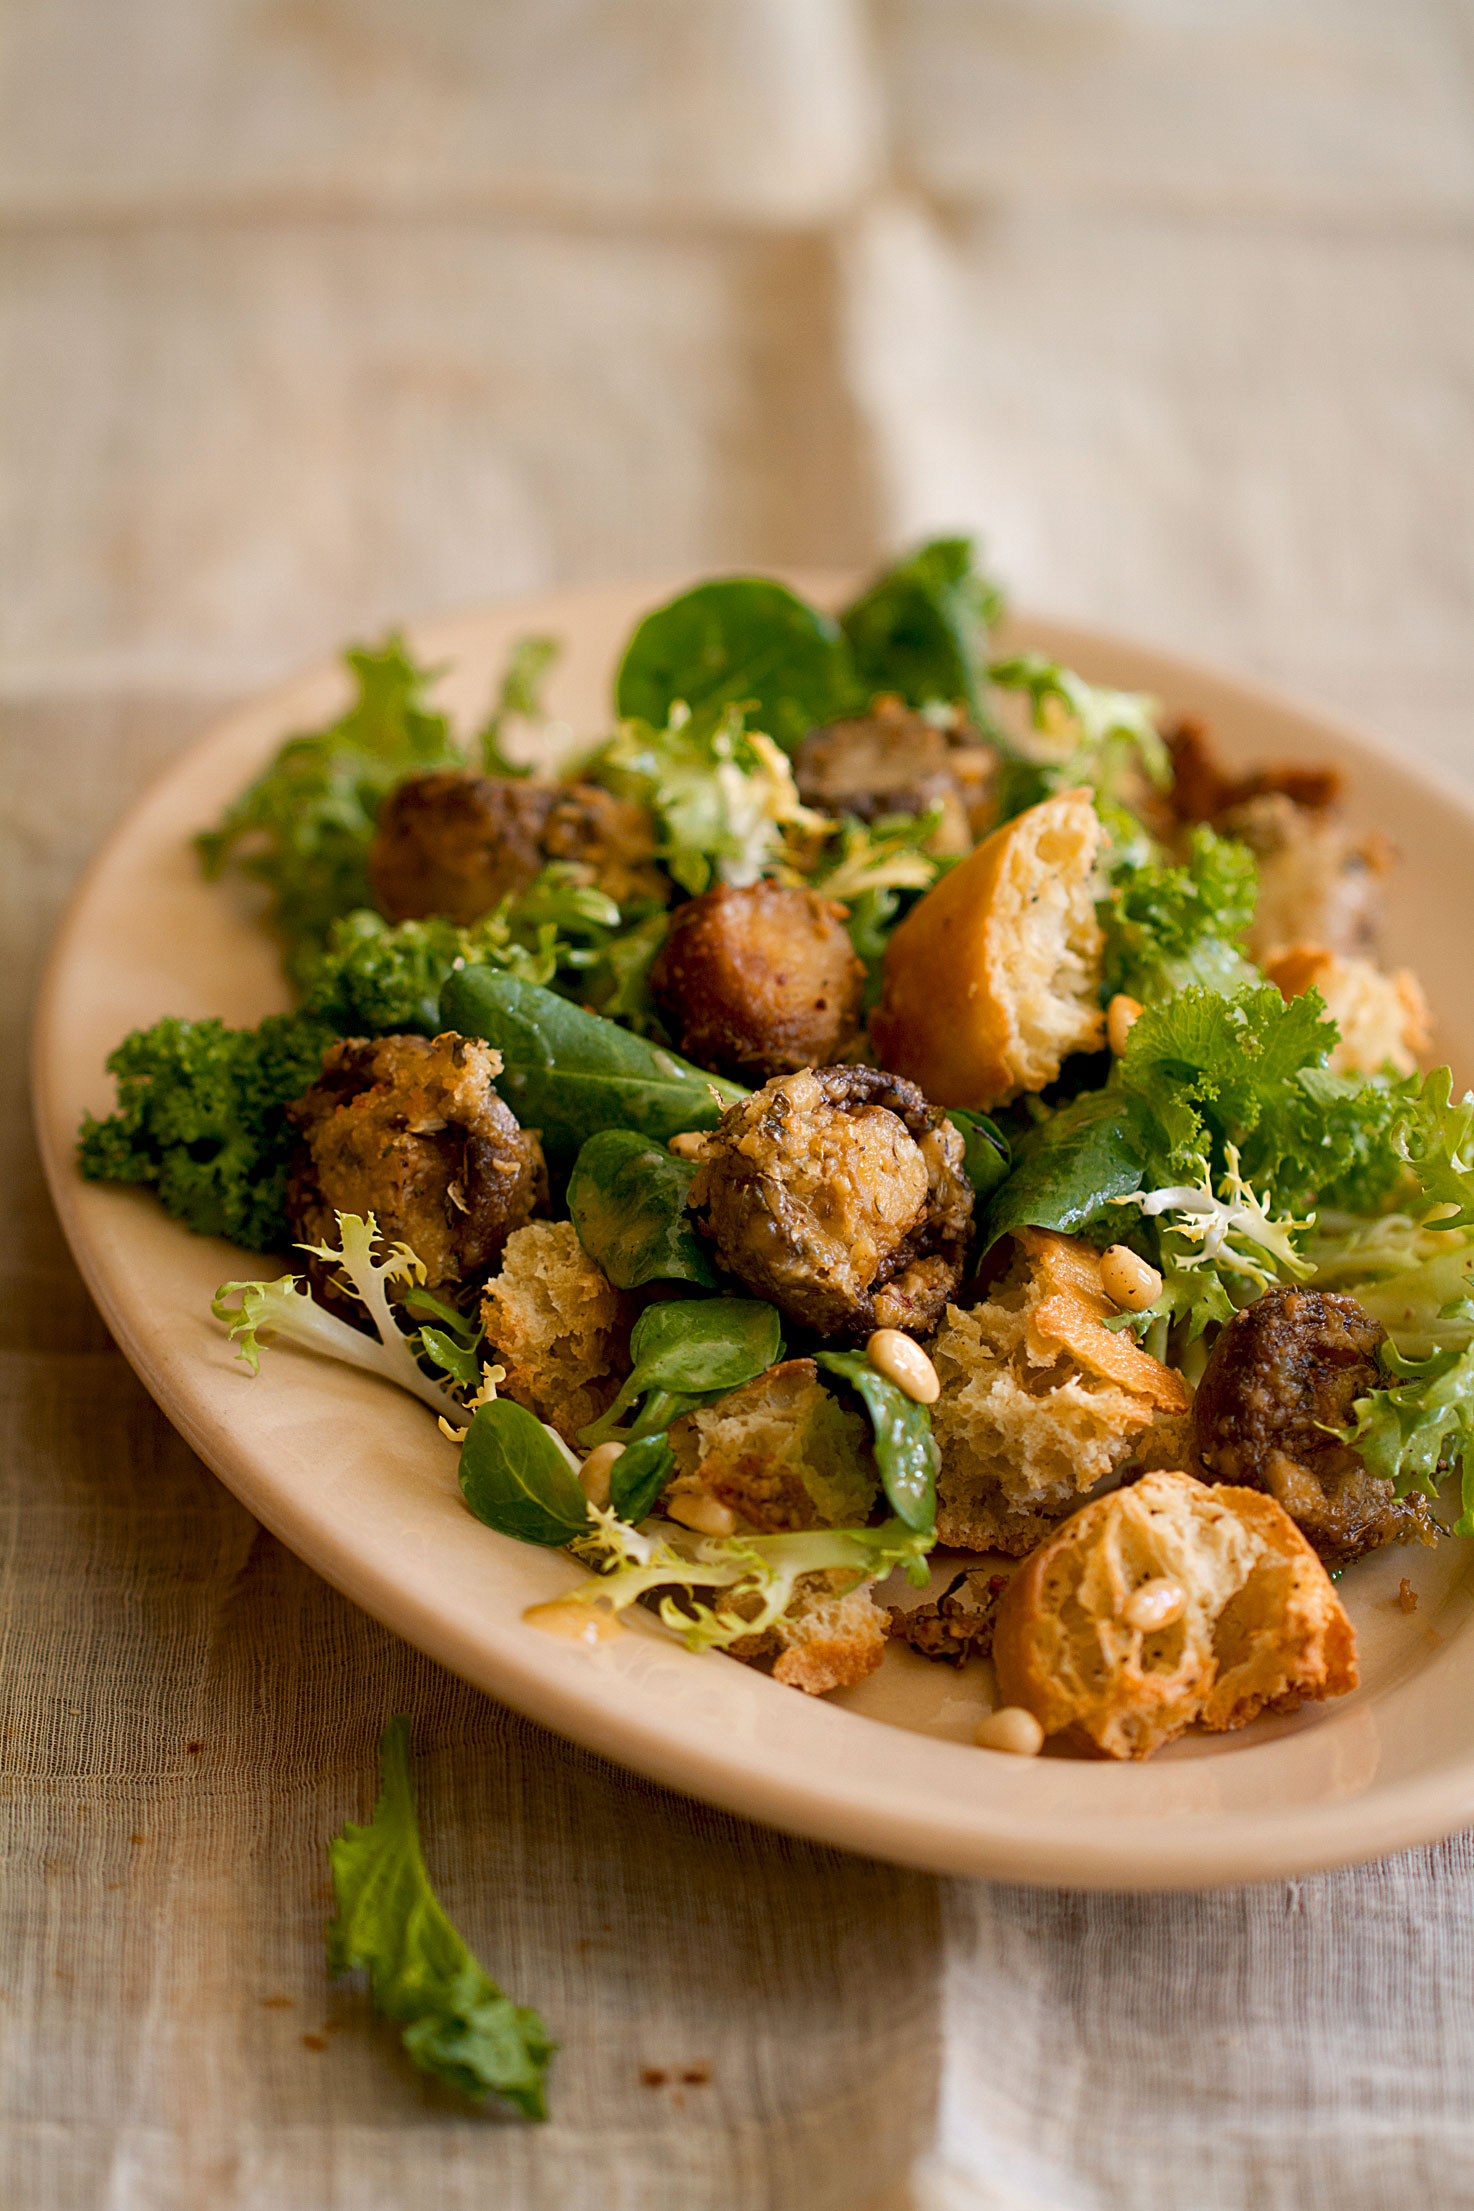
x: 1407, y: 1596
x: 558, y: 1325
x: 781, y: 1452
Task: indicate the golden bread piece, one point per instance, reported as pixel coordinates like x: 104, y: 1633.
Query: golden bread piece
x: 832, y: 1636
x: 558, y: 1325
x: 1383, y: 1019
x: 1166, y: 1605
x: 781, y: 1452
x: 993, y: 978
x: 1039, y: 1402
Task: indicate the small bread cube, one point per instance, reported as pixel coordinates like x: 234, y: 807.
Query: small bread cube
x: 1040, y: 1402
x: 1383, y: 1019
x: 993, y: 978
x: 558, y: 1325
x: 1167, y: 1605
x: 782, y: 1453
x: 832, y: 1636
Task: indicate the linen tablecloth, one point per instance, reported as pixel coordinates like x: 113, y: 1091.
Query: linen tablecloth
x: 315, y: 314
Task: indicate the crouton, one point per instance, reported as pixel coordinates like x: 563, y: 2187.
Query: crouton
x: 1383, y: 1019
x: 1040, y: 1403
x: 832, y: 1636
x: 993, y: 978
x: 1319, y: 883
x: 1166, y: 1605
x: 559, y: 1327
x: 781, y: 1452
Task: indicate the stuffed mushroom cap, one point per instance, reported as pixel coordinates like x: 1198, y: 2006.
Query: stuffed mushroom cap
x: 838, y: 1194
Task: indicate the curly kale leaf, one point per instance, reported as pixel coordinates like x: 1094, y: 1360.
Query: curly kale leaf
x: 304, y: 826
x: 1167, y: 927
x: 457, y: 2024
x: 199, y: 1117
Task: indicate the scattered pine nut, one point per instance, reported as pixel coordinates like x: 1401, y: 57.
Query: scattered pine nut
x: 1122, y: 1015
x: 1013, y: 1729
x: 892, y: 1353
x: 1156, y: 1604
x: 705, y: 1514
x: 690, y: 1144
x: 593, y: 1475
x: 1129, y: 1283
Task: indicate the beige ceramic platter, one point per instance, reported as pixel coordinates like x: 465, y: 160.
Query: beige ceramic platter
x: 355, y: 1478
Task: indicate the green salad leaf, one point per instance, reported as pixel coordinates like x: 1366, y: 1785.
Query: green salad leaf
x: 685, y: 1353
x: 303, y: 827
x: 905, y: 1448
x: 200, y: 1120
x: 519, y: 700
x: 724, y: 796
x: 1071, y: 1168
x: 921, y: 629
x: 986, y: 1155
x: 519, y: 1477
x: 627, y: 1199
x: 570, y: 1073
x: 457, y: 2024
x: 639, y: 1476
x: 744, y: 641
x: 1167, y: 927
x: 1422, y: 1424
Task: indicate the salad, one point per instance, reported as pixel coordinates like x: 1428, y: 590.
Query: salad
x: 879, y: 1093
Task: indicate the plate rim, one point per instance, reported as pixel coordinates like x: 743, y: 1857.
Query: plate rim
x: 1138, y: 1853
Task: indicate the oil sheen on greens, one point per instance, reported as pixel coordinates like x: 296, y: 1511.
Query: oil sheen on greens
x: 684, y: 1354
x: 627, y: 1199
x: 905, y: 1448
x: 456, y: 2023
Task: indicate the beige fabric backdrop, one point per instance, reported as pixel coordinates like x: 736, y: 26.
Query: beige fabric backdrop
x: 315, y: 313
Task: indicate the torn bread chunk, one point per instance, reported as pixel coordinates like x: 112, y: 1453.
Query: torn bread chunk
x: 782, y: 1453
x: 1040, y: 1403
x: 557, y: 1324
x: 1319, y: 882
x: 1169, y: 1605
x: 832, y: 1636
x: 993, y: 978
x: 1383, y: 1019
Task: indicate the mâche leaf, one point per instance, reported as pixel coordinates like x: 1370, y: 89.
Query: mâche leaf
x: 905, y: 1448
x: 457, y: 2024
x: 517, y: 1477
x: 639, y: 1475
x: 685, y: 1352
x: 627, y: 1199
x: 921, y: 629
x: 986, y: 1156
x: 745, y: 641
x: 569, y: 1073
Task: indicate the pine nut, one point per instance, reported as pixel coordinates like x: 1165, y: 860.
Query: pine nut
x: 574, y: 1622
x: 1013, y: 1729
x: 1155, y: 1604
x: 705, y: 1514
x: 1129, y: 1283
x: 1122, y: 1015
x: 893, y: 1354
x: 593, y: 1475
x: 691, y: 1144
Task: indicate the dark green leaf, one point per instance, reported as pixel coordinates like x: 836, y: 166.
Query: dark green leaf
x: 921, y: 630
x: 1167, y: 927
x: 516, y: 1479
x: 985, y: 1153
x: 741, y: 641
x: 639, y: 1475
x: 627, y: 1199
x: 905, y: 1448
x: 688, y: 1350
x: 569, y: 1073
x: 1072, y: 1166
x: 457, y: 2024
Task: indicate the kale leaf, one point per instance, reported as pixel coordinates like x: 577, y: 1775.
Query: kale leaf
x: 456, y: 2022
x: 1167, y: 927
x: 921, y: 629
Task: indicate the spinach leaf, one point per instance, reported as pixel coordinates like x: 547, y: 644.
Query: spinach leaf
x: 985, y: 1152
x: 686, y: 1352
x: 922, y: 628
x: 569, y: 1073
x: 905, y: 1448
x: 639, y: 1475
x: 1071, y: 1167
x: 516, y: 1478
x: 743, y: 641
x: 627, y: 1199
x: 457, y: 2024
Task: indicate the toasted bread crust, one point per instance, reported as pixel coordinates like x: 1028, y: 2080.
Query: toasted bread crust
x: 1261, y: 1627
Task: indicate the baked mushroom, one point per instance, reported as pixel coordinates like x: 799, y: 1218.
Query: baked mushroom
x: 760, y: 981
x: 413, y: 1132
x: 838, y: 1194
x: 895, y: 761
x: 1281, y: 1380
x: 457, y: 844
